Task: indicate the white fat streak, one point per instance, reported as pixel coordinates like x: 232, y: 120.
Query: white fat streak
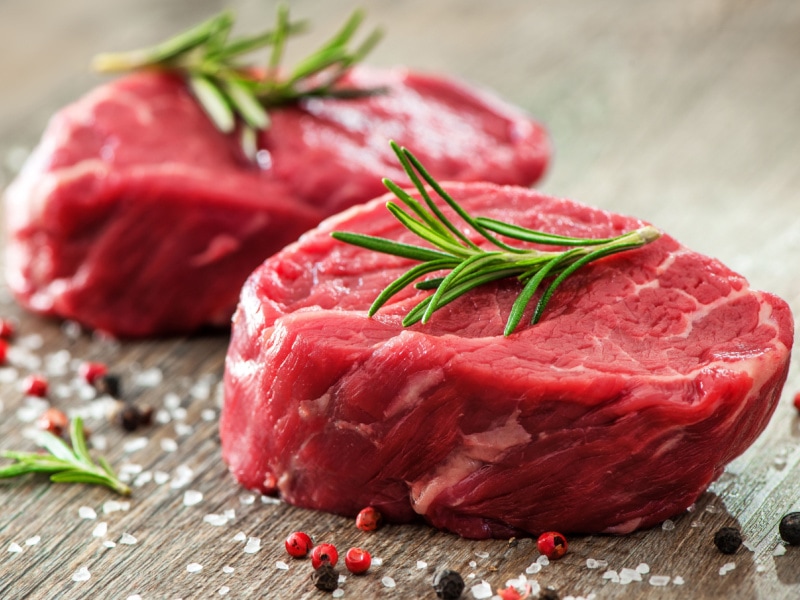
x: 476, y: 450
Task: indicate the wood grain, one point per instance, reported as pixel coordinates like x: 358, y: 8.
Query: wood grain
x: 683, y: 113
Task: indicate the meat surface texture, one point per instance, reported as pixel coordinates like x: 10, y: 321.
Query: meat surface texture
x: 137, y: 217
x: 649, y: 371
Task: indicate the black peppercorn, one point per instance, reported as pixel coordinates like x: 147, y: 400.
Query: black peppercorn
x: 130, y: 417
x: 790, y: 528
x: 549, y: 594
x: 325, y: 578
x: 728, y: 540
x: 108, y: 384
x: 448, y: 584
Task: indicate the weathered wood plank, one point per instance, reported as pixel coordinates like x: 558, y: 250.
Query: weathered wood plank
x: 683, y: 113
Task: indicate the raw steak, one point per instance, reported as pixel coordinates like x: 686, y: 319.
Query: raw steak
x: 649, y: 371
x: 137, y: 217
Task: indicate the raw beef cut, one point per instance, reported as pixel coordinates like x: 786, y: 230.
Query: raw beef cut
x: 137, y: 217
x: 649, y: 371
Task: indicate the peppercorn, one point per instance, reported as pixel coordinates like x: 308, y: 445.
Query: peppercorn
x: 35, y: 385
x: 357, y: 561
x: 298, y: 544
x: 54, y: 421
x: 797, y: 401
x: 108, y: 384
x: 728, y: 540
x: 552, y: 544
x: 324, y: 554
x: 448, y: 584
x: 3, y: 351
x: 325, y: 578
x: 7, y: 329
x: 92, y: 371
x: 549, y: 594
x: 130, y: 417
x: 368, y: 519
x: 789, y: 528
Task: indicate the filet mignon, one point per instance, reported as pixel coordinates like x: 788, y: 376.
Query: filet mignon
x: 137, y: 217
x: 649, y: 371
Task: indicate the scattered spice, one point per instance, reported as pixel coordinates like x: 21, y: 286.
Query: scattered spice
x: 35, y: 385
x: 325, y: 578
x: 797, y: 401
x: 553, y: 545
x: 369, y: 519
x: 789, y: 528
x: 130, y: 417
x: 324, y: 554
x: 3, y: 351
x: 728, y: 540
x: 298, y: 544
x: 448, y: 584
x: 109, y: 384
x: 92, y: 371
x: 549, y: 594
x: 513, y: 593
x: 357, y: 561
x: 7, y: 329
x: 54, y: 421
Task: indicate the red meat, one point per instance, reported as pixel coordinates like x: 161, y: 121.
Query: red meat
x: 649, y: 371
x: 137, y: 217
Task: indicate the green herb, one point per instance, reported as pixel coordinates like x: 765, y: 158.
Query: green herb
x: 208, y: 58
x: 65, y: 464
x: 471, y: 266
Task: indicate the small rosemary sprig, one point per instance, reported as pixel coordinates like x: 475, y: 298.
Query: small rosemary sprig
x: 65, y: 464
x: 471, y: 266
x: 209, y: 60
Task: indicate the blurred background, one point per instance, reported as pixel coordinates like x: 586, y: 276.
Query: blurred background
x: 685, y: 113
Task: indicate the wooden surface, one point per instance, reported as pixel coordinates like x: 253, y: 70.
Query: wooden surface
x: 684, y: 113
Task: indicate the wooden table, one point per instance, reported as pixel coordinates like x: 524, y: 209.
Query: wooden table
x: 684, y: 113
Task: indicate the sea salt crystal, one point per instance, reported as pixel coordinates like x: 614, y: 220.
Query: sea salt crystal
x: 127, y: 539
x: 71, y: 329
x: 201, y: 390
x: 14, y: 548
x: 208, y: 414
x: 192, y: 497
x: 162, y: 417
x: 342, y: 579
x: 533, y: 568
x: 182, y: 429
x: 168, y: 445
x: 377, y: 561
x: 179, y: 414
x: 668, y: 525
x: 32, y: 541
x: 779, y: 550
x: 99, y: 442
x: 472, y: 564
x: 659, y: 580
x: 631, y: 574
x: 81, y: 574
x: 194, y: 567
x: 8, y: 375
x: 247, y: 499
x: 253, y: 545
x: 337, y: 593
x: 148, y: 378
x: 388, y: 582
x: 678, y: 580
x: 270, y: 500
x: 34, y: 341
x: 135, y: 444
x: 134, y: 597
x: 421, y: 564
x: 87, y: 512
x: 109, y: 544
x: 281, y: 566
x: 172, y: 401
x: 724, y: 569
x: 239, y: 537
x: 481, y: 590
x: 643, y: 568
x: 110, y: 506
x: 216, y: 520
x: 480, y: 554
x: 230, y: 514
x: 228, y: 569
x: 160, y: 477
x: 143, y: 479
x: 100, y: 529
x: 183, y: 476
x: 592, y: 563
x: 543, y: 560
x: 612, y: 575
x: 224, y: 590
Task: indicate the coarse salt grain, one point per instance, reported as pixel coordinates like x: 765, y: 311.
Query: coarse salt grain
x: 247, y: 499
x: 81, y: 574
x: 543, y: 560
x: 208, y: 414
x: 724, y: 569
x: 99, y: 442
x: 533, y: 568
x: 230, y: 514
x: 160, y: 477
x: 162, y: 417
x: 135, y: 444
x: 194, y: 567
x: 633, y: 574
x: 182, y: 429
x: 127, y: 539
x: 168, y: 445
x: 134, y: 597
x: 481, y: 590
x: 270, y: 500
x: 388, y: 582
x: 228, y: 569
x: 183, y: 476
x: 192, y: 497
x: 472, y: 564
x: 14, y: 548
x: 143, y: 479
x: 8, y: 375
x: 281, y: 566
x: 179, y: 414
x: 338, y: 593
x: 239, y: 537
x: 109, y: 544
x: 659, y: 580
x: 110, y: 506
x: 342, y: 579
x: 172, y: 401
x: 87, y: 512
x: 612, y: 575
x: 148, y: 378
x: 377, y: 561
x: 224, y: 590
x: 253, y: 545
x: 421, y: 564
x: 100, y: 529
x: 678, y: 580
x: 592, y: 563
x: 480, y: 554
x: 215, y: 520
x: 32, y: 541
x: 779, y: 550
x: 643, y: 568
x: 668, y: 525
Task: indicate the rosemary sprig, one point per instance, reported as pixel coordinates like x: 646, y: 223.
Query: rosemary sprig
x: 65, y: 464
x: 471, y: 266
x: 208, y: 58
